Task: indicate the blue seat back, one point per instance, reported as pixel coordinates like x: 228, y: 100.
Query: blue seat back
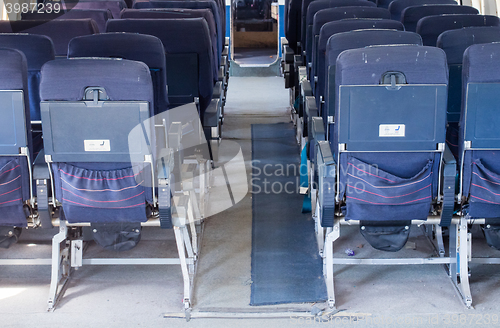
x: 89, y: 108
x: 332, y: 14
x: 293, y: 23
x: 411, y: 15
x: 60, y: 31
x: 15, y: 135
x: 397, y: 6
x: 114, y: 6
x: 199, y: 4
x: 38, y: 49
x: 431, y: 26
x: 188, y: 49
x: 344, y: 25
x: 140, y: 47
x: 389, y: 167
x: 100, y: 16
x: 349, y: 12
x: 179, y: 14
x: 307, y: 14
x: 340, y: 42
x: 479, y: 137
x: 454, y: 43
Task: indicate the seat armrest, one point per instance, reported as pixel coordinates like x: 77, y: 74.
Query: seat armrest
x: 305, y: 89
x: 221, y: 74
x: 288, y: 54
x: 448, y: 175
x: 225, y: 51
x: 297, y: 61
x: 318, y: 129
x: 218, y: 90
x: 310, y: 110
x: 223, y: 63
x: 327, y: 176
x: 212, y: 114
x: 40, y: 168
x: 289, y: 75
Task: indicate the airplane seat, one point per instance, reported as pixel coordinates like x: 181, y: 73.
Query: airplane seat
x: 388, y: 164
x: 199, y: 4
x: 180, y: 13
x: 38, y: 49
x: 139, y: 47
x: 189, y: 65
x: 320, y: 73
x: 321, y: 17
x: 334, y: 27
x: 96, y: 182
x: 334, y: 14
x: 100, y: 16
x: 479, y: 143
x: 16, y: 153
x: 454, y: 43
x: 308, y: 11
x: 100, y: 145
x: 114, y: 6
x: 412, y: 14
x: 335, y: 45
x: 321, y: 12
x: 430, y: 27
x: 397, y: 6
x: 60, y: 31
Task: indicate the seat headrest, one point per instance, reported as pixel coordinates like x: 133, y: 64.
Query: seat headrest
x: 38, y: 49
x: 67, y: 79
x: 14, y: 69
x: 141, y: 47
x: 419, y: 64
x: 351, y: 24
x: 331, y: 14
x: 454, y: 42
x: 364, y: 38
x: 481, y: 63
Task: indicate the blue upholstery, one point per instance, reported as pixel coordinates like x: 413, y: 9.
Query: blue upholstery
x: 399, y: 185
x: 340, y: 42
x: 179, y: 36
x: 14, y: 173
x: 199, y: 4
x: 344, y: 25
x: 66, y: 79
x: 454, y: 43
x: 332, y: 14
x: 145, y: 48
x: 292, y: 23
x: 180, y: 13
x: 95, y: 191
x: 397, y: 6
x: 481, y: 64
x: 308, y: 12
x: 100, y: 16
x: 431, y: 26
x: 38, y: 50
x: 411, y: 15
x: 114, y: 6
x: 60, y: 31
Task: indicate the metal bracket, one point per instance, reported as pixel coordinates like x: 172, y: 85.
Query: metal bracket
x: 76, y: 253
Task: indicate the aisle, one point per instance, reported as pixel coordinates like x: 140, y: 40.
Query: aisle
x: 286, y: 266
